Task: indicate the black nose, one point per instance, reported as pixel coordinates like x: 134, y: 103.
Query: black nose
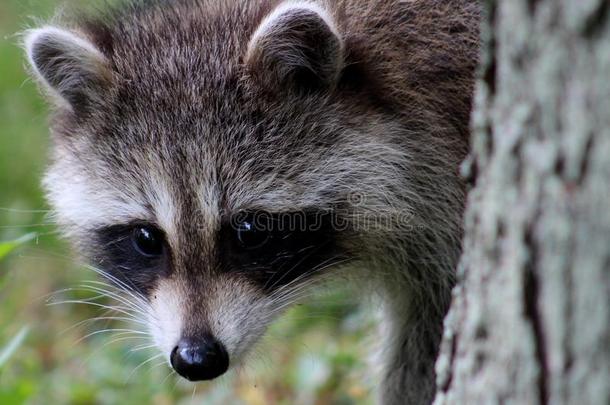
x: 200, y: 359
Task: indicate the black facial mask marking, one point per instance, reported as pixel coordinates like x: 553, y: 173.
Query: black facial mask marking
x: 136, y: 254
x: 271, y: 249
x: 274, y: 249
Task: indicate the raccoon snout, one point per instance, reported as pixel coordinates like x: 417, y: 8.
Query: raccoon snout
x: 200, y: 359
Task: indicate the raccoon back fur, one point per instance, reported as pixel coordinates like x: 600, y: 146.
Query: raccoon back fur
x: 216, y: 159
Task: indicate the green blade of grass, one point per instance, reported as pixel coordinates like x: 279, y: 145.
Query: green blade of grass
x: 13, y: 345
x: 7, y: 247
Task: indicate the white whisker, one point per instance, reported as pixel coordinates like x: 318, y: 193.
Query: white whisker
x: 142, y: 364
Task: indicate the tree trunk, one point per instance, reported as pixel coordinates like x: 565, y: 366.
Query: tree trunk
x: 530, y: 318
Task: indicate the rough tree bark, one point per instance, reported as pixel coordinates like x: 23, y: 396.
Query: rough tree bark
x: 530, y: 319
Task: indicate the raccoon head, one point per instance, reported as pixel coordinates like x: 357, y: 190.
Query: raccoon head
x: 206, y: 161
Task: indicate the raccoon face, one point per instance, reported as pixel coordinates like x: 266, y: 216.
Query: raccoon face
x: 211, y: 303
x: 210, y: 174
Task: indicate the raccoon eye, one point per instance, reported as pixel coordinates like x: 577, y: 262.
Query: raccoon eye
x: 148, y: 241
x: 249, y: 236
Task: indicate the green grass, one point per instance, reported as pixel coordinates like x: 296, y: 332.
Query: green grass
x: 313, y: 355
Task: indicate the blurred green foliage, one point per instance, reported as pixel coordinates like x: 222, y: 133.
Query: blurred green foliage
x: 313, y: 355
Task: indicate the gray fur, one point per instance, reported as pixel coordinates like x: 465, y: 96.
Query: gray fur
x: 187, y: 123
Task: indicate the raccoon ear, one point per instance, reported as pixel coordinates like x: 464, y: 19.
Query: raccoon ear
x: 70, y: 67
x: 298, y: 44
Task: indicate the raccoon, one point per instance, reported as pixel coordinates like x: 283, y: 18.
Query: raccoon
x: 218, y: 158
